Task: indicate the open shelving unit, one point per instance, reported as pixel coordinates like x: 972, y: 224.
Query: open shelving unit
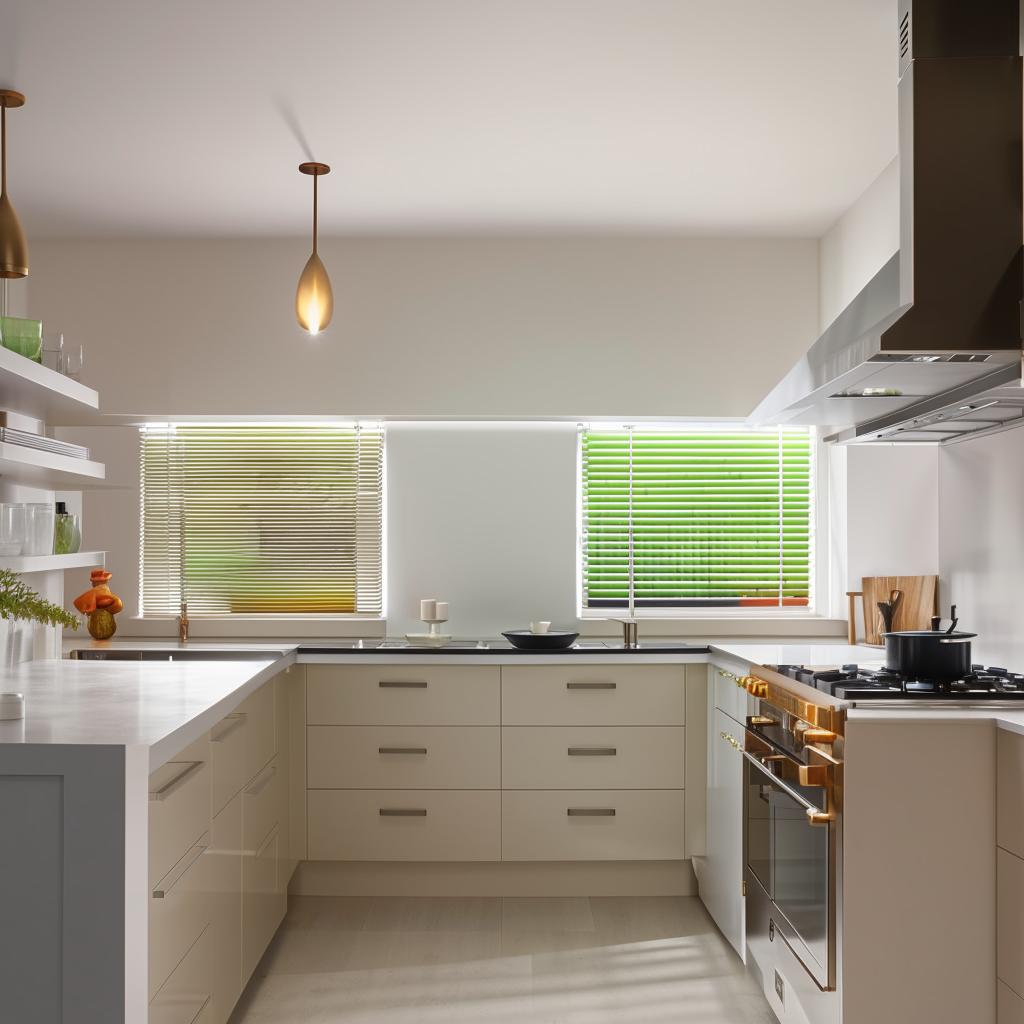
x: 35, y: 390
x: 51, y: 563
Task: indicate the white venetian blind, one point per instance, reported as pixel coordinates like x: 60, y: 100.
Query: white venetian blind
x: 697, y: 517
x: 261, y: 520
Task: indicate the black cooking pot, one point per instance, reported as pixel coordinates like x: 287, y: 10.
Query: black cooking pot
x: 929, y: 654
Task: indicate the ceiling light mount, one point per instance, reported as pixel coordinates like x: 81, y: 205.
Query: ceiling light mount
x: 314, y: 299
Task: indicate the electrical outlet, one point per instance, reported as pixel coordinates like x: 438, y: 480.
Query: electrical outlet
x: 780, y: 988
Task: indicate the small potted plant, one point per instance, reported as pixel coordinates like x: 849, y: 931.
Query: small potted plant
x: 20, y: 603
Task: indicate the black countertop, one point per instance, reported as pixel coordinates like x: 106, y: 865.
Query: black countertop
x: 503, y: 647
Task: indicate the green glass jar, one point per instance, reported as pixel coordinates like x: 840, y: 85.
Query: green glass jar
x: 67, y: 532
x: 22, y: 336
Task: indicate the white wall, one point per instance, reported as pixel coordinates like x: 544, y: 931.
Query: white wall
x: 981, y: 542
x: 485, y: 518
x: 435, y: 327
x: 859, y: 243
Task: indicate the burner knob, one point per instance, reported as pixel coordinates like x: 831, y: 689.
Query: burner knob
x: 756, y: 687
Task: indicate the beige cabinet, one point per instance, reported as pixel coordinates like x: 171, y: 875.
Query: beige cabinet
x: 593, y: 757
x: 186, y: 996
x: 219, y: 866
x: 1009, y: 1005
x: 402, y: 695
x: 403, y: 757
x: 1010, y: 792
x: 480, y: 763
x: 592, y: 825
x: 225, y: 909
x: 404, y: 825
x: 593, y: 695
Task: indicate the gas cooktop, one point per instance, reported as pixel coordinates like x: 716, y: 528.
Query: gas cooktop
x: 851, y: 682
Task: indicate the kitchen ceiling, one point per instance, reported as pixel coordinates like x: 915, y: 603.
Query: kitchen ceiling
x: 743, y: 117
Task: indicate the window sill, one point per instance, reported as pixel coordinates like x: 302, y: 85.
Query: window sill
x: 713, y: 626
x: 254, y: 627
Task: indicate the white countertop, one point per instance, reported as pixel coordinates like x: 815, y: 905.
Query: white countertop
x: 165, y: 705
x: 162, y: 706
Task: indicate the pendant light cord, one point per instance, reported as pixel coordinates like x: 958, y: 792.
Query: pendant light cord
x: 3, y: 147
x: 315, y: 176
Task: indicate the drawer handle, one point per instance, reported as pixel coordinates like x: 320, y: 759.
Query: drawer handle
x: 401, y: 750
x: 590, y: 812
x: 399, y: 684
x: 590, y: 686
x: 402, y: 812
x: 182, y: 868
x: 261, y: 781
x: 166, y: 790
x: 592, y: 751
x: 229, y: 725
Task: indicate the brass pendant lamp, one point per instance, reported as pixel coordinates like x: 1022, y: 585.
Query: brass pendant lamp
x: 314, y: 300
x: 13, y: 247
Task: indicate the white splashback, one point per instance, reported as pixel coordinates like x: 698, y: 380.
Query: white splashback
x: 981, y: 542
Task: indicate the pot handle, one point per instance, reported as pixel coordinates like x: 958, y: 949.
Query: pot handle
x: 955, y: 640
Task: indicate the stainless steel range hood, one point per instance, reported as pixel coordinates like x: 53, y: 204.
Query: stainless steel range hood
x: 943, y: 317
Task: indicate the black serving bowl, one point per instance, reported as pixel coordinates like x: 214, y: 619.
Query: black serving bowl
x: 553, y: 640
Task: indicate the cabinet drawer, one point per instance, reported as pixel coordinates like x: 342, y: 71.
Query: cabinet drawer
x: 593, y: 757
x: 1010, y: 792
x: 592, y: 825
x: 261, y: 805
x: 403, y: 757
x: 178, y: 912
x: 402, y: 695
x: 593, y: 695
x: 184, y: 998
x: 1010, y: 919
x: 413, y: 825
x: 264, y: 900
x: 1010, y: 1006
x: 225, y: 907
x: 228, y: 758
x: 260, y: 732
x: 179, y: 812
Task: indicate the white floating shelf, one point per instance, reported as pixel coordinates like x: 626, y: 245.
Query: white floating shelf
x: 51, y: 563
x: 22, y: 465
x: 35, y: 390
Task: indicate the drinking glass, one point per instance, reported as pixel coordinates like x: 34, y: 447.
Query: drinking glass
x: 74, y: 356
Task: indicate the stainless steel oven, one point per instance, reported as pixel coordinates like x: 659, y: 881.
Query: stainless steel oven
x: 792, y: 754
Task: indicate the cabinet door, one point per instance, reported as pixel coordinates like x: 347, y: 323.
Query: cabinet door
x: 225, y: 909
x: 722, y: 874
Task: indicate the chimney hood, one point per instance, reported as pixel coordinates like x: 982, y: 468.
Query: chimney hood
x: 940, y: 323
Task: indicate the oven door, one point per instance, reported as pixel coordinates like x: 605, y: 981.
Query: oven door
x: 789, y: 840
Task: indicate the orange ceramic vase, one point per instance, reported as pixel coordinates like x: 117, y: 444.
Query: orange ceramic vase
x: 100, y: 605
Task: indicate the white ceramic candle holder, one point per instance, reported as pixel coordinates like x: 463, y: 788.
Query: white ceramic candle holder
x: 433, y: 638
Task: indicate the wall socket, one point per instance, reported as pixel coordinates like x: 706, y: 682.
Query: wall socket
x: 780, y: 988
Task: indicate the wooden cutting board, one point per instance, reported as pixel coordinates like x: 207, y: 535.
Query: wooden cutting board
x: 915, y: 611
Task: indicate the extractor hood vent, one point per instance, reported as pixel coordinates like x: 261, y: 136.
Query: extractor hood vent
x: 943, y: 314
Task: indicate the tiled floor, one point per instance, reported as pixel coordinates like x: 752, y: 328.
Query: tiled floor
x: 499, y: 961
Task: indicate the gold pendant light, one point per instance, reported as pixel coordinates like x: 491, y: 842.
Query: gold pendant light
x: 13, y: 247
x: 314, y: 300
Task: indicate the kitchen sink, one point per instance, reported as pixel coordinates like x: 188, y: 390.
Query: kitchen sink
x: 175, y: 654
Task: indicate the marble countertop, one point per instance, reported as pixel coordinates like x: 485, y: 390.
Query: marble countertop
x: 161, y: 706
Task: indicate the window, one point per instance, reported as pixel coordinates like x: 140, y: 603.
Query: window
x: 701, y: 517
x: 261, y: 520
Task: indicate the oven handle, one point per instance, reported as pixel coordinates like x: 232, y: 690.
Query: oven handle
x: 815, y: 815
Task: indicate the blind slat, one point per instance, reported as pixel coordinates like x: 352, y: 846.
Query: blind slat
x: 702, y: 516
x: 261, y: 520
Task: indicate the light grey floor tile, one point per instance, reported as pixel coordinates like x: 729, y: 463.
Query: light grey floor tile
x: 513, y: 961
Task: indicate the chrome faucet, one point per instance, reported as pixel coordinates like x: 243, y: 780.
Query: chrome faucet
x: 183, y: 623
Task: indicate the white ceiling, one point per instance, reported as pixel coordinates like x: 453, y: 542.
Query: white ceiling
x: 188, y: 117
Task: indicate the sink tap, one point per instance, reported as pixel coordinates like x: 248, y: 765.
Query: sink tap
x: 183, y: 623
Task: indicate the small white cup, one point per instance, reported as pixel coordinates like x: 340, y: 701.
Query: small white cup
x: 539, y: 627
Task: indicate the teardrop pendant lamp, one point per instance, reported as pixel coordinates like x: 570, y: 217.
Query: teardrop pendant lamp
x: 314, y: 299
x: 13, y: 247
